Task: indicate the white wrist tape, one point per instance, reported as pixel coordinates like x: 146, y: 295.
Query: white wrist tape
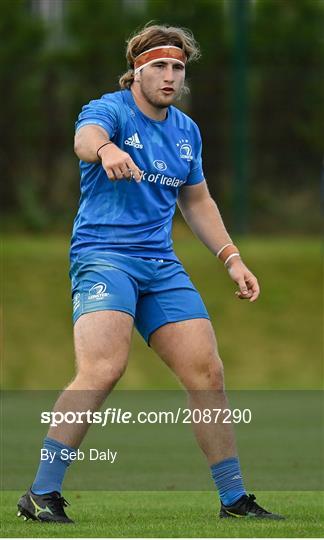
x: 230, y: 257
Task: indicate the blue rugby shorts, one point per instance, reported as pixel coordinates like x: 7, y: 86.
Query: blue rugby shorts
x: 153, y: 291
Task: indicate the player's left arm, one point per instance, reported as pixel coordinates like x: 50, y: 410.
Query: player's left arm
x: 203, y: 217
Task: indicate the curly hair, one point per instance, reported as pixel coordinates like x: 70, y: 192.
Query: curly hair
x: 154, y: 35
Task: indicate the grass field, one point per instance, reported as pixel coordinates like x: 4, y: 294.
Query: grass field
x: 166, y: 514
x: 264, y: 345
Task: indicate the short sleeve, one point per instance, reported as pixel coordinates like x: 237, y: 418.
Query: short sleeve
x: 102, y: 112
x: 196, y: 174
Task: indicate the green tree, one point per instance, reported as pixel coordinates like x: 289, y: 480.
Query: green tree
x: 22, y: 38
x: 287, y: 59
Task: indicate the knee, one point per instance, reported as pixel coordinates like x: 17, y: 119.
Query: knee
x: 206, y: 374
x: 213, y: 372
x: 103, y: 376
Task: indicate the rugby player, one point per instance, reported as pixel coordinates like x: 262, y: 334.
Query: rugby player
x: 139, y: 157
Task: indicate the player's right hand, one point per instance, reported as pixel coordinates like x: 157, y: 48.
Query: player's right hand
x: 118, y: 164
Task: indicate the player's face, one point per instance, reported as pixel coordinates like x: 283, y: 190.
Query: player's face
x: 161, y: 83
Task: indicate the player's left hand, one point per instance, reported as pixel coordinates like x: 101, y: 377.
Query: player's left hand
x: 247, y: 282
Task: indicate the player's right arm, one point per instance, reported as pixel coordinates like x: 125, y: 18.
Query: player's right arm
x: 117, y: 163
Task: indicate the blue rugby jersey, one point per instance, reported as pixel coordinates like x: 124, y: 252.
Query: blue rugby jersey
x: 128, y: 217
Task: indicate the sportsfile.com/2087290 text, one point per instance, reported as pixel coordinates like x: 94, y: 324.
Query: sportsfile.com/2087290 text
x: 181, y: 415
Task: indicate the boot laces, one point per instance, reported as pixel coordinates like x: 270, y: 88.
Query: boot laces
x: 253, y: 506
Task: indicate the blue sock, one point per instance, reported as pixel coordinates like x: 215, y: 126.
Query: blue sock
x: 228, y: 480
x: 50, y: 476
